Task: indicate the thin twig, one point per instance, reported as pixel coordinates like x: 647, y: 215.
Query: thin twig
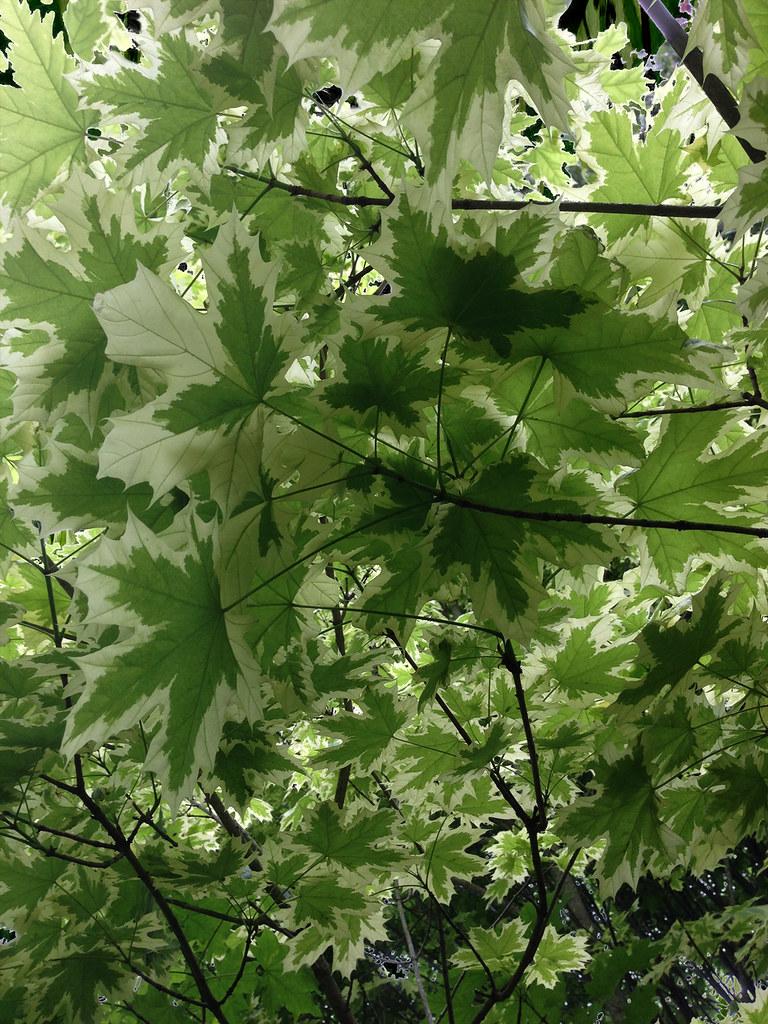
x: 564, y: 205
x: 748, y: 402
x: 412, y: 954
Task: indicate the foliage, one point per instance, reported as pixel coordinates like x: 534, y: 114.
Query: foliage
x: 383, y: 531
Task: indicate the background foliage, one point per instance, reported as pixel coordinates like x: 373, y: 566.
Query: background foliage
x: 383, y: 511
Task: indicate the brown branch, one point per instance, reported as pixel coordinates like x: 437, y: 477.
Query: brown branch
x: 59, y: 832
x: 444, y: 970
x: 748, y: 402
x: 512, y: 665
x: 715, y: 90
x: 495, y: 776
x: 710, y: 212
x: 529, y: 953
x: 121, y: 844
x: 320, y: 968
x: 678, y: 525
x: 325, y: 979
x: 337, y: 617
x: 586, y: 518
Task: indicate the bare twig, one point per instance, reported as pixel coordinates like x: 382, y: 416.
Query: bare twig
x: 412, y: 954
x: 711, y: 212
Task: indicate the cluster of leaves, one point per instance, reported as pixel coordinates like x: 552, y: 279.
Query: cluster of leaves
x: 383, y: 513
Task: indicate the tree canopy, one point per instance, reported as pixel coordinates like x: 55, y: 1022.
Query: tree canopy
x: 383, y: 511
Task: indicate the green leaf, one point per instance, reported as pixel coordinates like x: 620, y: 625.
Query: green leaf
x: 475, y: 291
x: 363, y: 841
x: 42, y: 131
x: 176, y: 105
x: 499, y: 947
x: 464, y: 87
x: 626, y: 812
x: 47, y: 287
x: 555, y: 955
x: 436, y: 673
x: 185, y: 655
x: 220, y: 372
x: 683, y: 479
x: 382, y: 384
x: 364, y: 738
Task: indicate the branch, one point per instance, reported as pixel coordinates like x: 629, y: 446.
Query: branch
x: 512, y: 665
x: 565, y: 205
x: 332, y: 992
x: 529, y: 953
x: 320, y: 968
x: 713, y: 87
x: 495, y: 776
x: 412, y: 954
x: 588, y: 519
x: 118, y: 838
x: 748, y: 402
x: 337, y: 617
x: 444, y: 969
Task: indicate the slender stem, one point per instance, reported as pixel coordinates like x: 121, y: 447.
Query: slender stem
x: 523, y: 407
x: 313, y: 430
x: 24, y: 558
x: 443, y: 357
x: 50, y: 568
x: 195, y: 969
x: 317, y: 551
x: 512, y: 665
x: 529, y: 953
x: 748, y: 402
x: 496, y: 778
x: 444, y: 968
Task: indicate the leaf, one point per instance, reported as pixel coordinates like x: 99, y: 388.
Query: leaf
x: 381, y: 384
x: 499, y: 947
x: 67, y: 369
x: 683, y: 479
x: 626, y: 811
x: 170, y: 100
x: 42, y: 131
x: 363, y: 738
x: 746, y: 205
x: 476, y: 291
x: 277, y: 989
x: 653, y: 172
x: 498, y: 553
x: 436, y: 673
x: 353, y: 843
x: 555, y: 955
x: 211, y: 415
x: 480, y: 52
x: 185, y: 655
x: 580, y: 666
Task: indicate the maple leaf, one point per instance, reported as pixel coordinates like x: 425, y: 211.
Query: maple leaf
x: 180, y: 638
x: 464, y: 87
x: 219, y: 374
x: 172, y: 103
x: 351, y: 844
x: 557, y: 954
x: 681, y: 475
x: 67, y: 369
x: 626, y: 811
x: 42, y: 129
